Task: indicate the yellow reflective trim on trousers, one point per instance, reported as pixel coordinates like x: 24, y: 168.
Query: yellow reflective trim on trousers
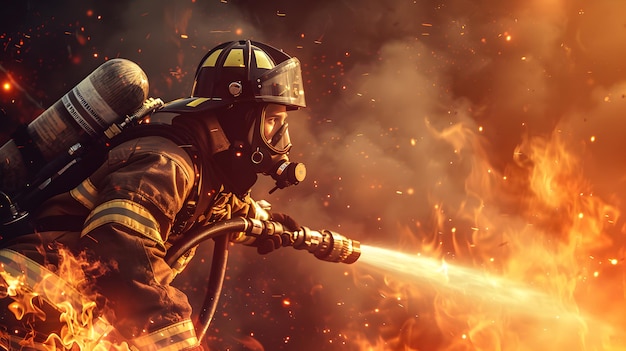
x: 175, y: 337
x: 85, y: 193
x: 127, y: 213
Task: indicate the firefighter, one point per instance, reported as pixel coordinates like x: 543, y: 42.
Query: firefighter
x: 192, y: 165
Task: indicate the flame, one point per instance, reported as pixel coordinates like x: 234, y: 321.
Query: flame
x: 513, y: 263
x: 69, y: 292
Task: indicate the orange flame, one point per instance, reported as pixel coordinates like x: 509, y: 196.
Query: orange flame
x: 539, y: 225
x: 68, y: 291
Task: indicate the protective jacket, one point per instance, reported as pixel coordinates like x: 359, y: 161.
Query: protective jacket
x: 121, y: 218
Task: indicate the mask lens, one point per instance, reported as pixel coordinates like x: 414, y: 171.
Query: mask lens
x: 274, y: 131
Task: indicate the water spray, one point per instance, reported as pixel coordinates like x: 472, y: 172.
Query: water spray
x: 471, y: 283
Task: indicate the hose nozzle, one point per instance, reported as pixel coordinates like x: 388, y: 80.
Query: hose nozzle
x: 327, y: 245
x: 324, y: 244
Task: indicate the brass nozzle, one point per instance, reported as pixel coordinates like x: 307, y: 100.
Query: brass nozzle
x: 327, y: 245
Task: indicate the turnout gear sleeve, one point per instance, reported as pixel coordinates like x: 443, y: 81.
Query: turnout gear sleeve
x: 142, y: 186
x: 133, y: 200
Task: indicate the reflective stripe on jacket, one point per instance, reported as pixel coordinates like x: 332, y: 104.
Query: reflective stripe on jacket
x: 142, y: 186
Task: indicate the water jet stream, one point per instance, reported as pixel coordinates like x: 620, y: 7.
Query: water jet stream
x: 472, y: 284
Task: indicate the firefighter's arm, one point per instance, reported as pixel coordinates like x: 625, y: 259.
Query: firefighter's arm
x: 142, y: 186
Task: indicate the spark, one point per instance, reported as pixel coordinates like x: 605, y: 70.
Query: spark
x: 20, y: 88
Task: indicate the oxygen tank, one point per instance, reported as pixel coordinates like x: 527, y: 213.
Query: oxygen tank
x: 111, y: 92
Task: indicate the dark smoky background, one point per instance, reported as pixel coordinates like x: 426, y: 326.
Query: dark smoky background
x: 405, y: 100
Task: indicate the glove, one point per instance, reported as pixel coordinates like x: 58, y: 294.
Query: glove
x: 287, y: 221
x: 268, y: 243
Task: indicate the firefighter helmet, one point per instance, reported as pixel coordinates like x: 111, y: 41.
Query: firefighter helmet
x: 249, y: 71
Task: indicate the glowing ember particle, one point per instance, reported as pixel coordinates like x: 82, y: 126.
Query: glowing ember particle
x: 184, y: 36
x: 6, y: 86
x: 593, y: 138
x: 286, y: 302
x: 613, y: 261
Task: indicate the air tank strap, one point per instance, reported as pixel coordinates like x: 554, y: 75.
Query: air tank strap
x: 31, y: 155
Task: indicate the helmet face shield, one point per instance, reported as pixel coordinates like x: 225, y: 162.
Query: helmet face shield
x: 282, y: 85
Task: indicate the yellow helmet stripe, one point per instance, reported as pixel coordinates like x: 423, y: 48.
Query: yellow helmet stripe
x: 198, y: 101
x: 235, y: 58
x: 127, y: 213
x: 262, y: 60
x: 178, y: 336
x: 85, y: 193
x: 212, y: 59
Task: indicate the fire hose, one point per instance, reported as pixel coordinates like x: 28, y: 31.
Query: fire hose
x: 324, y: 244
